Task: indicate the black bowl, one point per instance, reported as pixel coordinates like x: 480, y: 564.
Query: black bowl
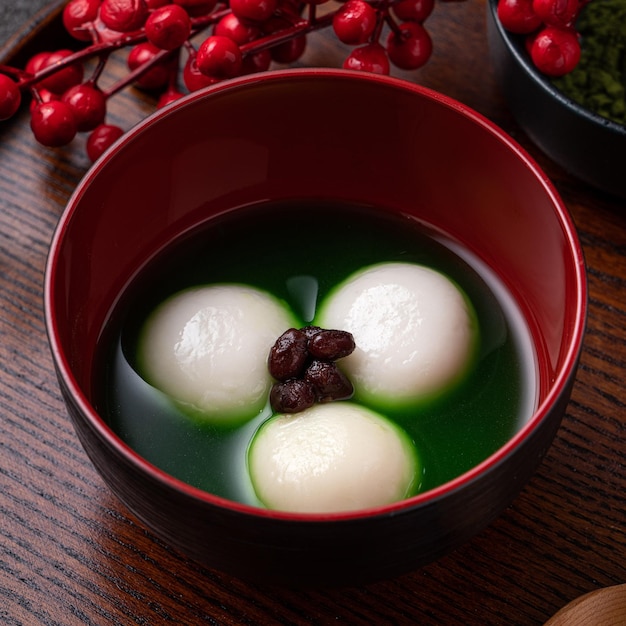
x: 590, y: 147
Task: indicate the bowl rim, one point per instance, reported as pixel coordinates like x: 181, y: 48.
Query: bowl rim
x: 516, y: 49
x: 558, y: 386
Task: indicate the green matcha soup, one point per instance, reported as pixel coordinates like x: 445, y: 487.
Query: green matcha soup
x: 298, y: 253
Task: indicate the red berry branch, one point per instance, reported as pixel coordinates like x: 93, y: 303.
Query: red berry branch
x: 552, y: 40
x: 179, y: 46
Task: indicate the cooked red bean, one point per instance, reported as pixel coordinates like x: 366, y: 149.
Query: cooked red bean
x: 311, y: 331
x: 292, y: 396
x: 329, y: 381
x: 331, y: 344
x: 288, y: 355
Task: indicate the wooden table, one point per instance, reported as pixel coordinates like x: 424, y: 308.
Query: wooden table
x: 70, y: 553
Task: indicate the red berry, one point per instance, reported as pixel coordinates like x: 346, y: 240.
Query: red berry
x: 43, y: 95
x: 518, y: 16
x: 557, y: 12
x: 77, y: 15
x: 53, y: 123
x: 289, y: 51
x: 157, y: 76
x: 169, y: 96
x: 255, y: 10
x: 555, y: 51
x: 123, y: 16
x: 102, y: 137
x: 368, y: 58
x: 413, y: 10
x: 289, y: 7
x: 61, y: 80
x: 195, y: 8
x: 10, y: 97
x: 231, y: 26
x: 155, y: 4
x: 258, y: 62
x: 37, y: 62
x: 103, y: 34
x: 88, y: 104
x: 411, y: 48
x: 219, y: 57
x: 354, y: 22
x: 168, y: 27
x: 193, y: 78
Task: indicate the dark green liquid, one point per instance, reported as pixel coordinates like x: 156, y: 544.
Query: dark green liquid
x: 298, y: 255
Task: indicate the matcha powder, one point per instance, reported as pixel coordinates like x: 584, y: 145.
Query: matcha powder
x: 599, y: 81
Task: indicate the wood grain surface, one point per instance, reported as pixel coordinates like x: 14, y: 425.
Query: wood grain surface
x: 71, y: 554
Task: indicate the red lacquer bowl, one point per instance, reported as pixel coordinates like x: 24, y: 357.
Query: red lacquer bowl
x: 322, y: 134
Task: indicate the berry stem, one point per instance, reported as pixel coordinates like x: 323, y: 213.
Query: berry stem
x: 380, y: 22
x: 97, y: 72
x: 393, y: 25
x: 300, y: 27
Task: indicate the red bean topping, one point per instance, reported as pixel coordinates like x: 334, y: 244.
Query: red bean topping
x: 288, y: 355
x: 329, y: 381
x: 331, y: 344
x: 292, y: 396
x: 303, y: 363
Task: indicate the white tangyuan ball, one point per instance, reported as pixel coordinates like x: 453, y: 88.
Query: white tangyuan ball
x: 414, y: 331
x: 207, y: 348
x: 331, y: 458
